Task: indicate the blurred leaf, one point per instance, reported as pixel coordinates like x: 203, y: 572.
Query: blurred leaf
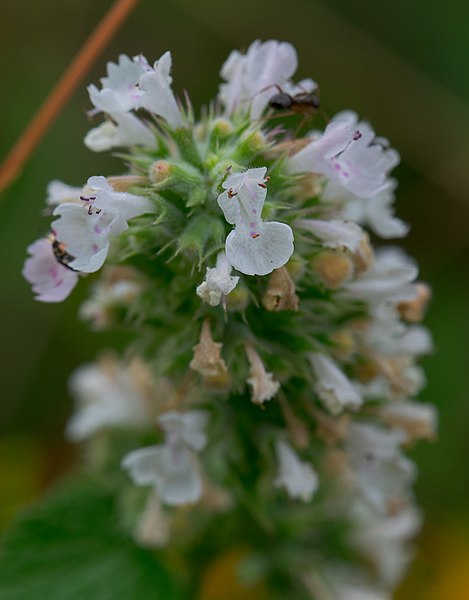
x: 72, y: 547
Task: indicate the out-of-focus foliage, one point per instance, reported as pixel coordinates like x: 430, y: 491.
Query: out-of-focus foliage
x: 73, y: 539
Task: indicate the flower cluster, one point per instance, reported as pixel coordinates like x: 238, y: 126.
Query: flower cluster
x: 276, y: 350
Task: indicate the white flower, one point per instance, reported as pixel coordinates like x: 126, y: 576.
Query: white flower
x: 58, y: 192
x: 418, y: 420
x: 383, y: 540
x: 296, y: 476
x: 264, y: 386
x: 86, y: 232
x: 120, y: 91
x: 382, y: 473
x: 51, y: 281
x: 254, y: 247
x: 349, y: 154
x: 157, y: 95
x: 117, y: 289
x: 172, y: 468
x: 130, y: 85
x: 113, y: 394
x: 334, y: 233
x: 218, y: 282
x: 127, y: 130
x: 252, y: 78
x: 188, y: 428
x: 389, y: 337
x: 86, y: 236
x: 375, y: 212
x: 398, y: 379
x: 388, y: 280
x: 332, y: 386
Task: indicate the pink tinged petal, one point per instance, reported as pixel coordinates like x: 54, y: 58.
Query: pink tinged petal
x: 313, y: 157
x: 262, y: 254
x: 254, y: 247
x: 245, y: 196
x: 349, y: 153
x: 51, y: 281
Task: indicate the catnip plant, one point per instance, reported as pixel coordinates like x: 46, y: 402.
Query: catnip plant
x: 267, y: 398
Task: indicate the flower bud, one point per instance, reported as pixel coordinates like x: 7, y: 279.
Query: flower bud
x: 122, y: 183
x: 413, y: 310
x: 280, y: 293
x: 207, y: 360
x: 333, y: 268
x: 221, y: 128
x: 363, y: 258
x: 152, y: 529
x: 160, y: 171
x: 332, y: 430
x: 344, y: 344
x: 250, y: 145
x: 180, y: 177
x: 366, y: 371
x: 417, y: 419
x: 263, y: 385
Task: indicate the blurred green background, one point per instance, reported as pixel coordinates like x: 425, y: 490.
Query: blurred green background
x: 402, y: 64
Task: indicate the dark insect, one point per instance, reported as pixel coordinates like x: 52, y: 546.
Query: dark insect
x: 60, y: 253
x: 303, y: 103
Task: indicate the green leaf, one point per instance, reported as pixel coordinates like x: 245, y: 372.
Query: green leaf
x: 71, y: 547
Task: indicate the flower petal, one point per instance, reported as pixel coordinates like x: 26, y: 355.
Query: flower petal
x: 260, y: 255
x: 50, y: 280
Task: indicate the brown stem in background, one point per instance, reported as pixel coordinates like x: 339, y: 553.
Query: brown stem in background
x: 55, y: 101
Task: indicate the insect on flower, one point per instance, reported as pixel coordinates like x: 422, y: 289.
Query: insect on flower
x: 304, y: 103
x: 60, y: 253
